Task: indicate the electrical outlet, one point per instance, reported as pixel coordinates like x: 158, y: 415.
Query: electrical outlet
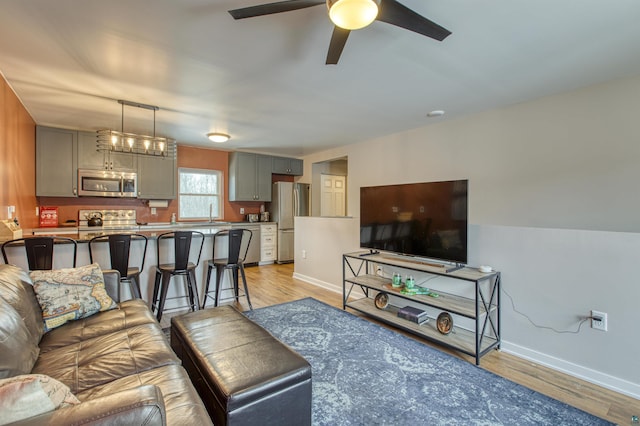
x: 601, y: 323
x: 241, y: 210
x: 154, y: 211
x: 304, y: 254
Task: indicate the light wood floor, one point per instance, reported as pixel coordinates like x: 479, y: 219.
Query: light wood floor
x: 274, y: 284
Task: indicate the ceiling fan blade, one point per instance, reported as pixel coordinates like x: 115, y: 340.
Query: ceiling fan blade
x: 338, y: 40
x: 396, y: 14
x: 269, y: 8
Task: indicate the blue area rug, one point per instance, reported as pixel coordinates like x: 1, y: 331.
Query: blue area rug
x: 365, y: 374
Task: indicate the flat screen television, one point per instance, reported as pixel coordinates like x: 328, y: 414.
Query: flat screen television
x: 418, y: 219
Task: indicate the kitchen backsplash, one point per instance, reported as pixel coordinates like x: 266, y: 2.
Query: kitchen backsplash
x: 68, y: 208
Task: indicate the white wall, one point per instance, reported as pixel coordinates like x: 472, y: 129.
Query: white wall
x: 553, y: 204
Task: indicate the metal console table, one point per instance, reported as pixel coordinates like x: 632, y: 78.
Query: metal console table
x: 360, y: 270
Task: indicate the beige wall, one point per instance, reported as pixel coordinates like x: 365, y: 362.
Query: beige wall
x: 553, y: 204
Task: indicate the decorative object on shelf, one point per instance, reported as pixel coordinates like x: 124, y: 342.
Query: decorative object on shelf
x: 135, y: 144
x: 396, y: 281
x: 381, y: 301
x: 413, y: 314
x: 409, y: 282
x: 419, y: 290
x: 444, y: 323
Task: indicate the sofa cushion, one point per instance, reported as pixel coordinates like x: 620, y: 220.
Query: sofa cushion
x: 28, y: 395
x: 182, y: 403
x: 102, y: 359
x: 127, y: 314
x: 17, y: 289
x: 18, y: 350
x: 69, y: 294
x: 142, y: 405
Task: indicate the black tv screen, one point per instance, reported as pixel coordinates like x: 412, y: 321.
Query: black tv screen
x: 419, y: 219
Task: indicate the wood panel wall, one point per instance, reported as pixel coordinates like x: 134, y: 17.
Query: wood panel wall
x: 17, y: 158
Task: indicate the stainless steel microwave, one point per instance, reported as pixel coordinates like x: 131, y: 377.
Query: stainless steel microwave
x: 107, y: 183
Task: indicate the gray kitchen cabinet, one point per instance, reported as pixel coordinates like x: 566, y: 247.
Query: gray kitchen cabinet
x: 157, y: 177
x: 287, y: 166
x: 90, y: 158
x: 249, y: 177
x: 56, y: 162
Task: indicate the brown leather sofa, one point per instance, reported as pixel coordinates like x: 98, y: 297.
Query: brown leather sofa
x: 118, y: 363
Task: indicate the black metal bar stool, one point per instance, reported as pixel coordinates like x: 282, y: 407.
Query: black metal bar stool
x: 180, y: 266
x: 119, y: 248
x: 40, y: 251
x: 238, y: 247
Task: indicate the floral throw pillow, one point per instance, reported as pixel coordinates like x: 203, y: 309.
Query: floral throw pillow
x: 29, y: 395
x: 70, y: 294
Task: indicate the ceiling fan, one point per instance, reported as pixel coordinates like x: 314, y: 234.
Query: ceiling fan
x: 348, y: 15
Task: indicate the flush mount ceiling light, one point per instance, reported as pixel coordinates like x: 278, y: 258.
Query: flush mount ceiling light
x: 352, y: 14
x: 218, y: 137
x: 131, y: 143
x: 435, y: 113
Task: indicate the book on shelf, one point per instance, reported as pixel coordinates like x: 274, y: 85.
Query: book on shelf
x: 413, y: 314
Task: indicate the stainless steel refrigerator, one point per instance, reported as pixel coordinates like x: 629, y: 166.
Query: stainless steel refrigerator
x: 288, y: 200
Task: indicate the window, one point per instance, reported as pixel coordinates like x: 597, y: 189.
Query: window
x: 200, y: 194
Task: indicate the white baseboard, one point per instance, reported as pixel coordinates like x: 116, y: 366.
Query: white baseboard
x: 592, y: 376
x: 327, y: 286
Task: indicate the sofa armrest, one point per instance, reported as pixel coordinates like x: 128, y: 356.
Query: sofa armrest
x: 142, y: 405
x: 112, y: 283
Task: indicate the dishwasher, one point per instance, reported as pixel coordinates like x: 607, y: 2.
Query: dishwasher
x: 253, y: 254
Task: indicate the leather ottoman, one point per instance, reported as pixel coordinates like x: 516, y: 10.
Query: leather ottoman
x: 243, y: 374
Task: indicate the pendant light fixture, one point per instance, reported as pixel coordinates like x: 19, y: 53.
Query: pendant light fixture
x: 352, y: 14
x: 119, y: 141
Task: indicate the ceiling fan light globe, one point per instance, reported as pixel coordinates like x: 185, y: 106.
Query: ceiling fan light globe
x: 352, y: 14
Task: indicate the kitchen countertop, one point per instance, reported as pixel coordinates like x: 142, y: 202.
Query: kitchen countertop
x: 150, y: 230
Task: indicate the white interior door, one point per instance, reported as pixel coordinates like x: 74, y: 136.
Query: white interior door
x: 333, y: 197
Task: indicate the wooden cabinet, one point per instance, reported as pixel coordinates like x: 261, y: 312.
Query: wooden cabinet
x: 249, y: 177
x: 90, y: 158
x: 268, y: 243
x: 467, y: 299
x: 56, y: 162
x: 287, y: 166
x: 157, y: 177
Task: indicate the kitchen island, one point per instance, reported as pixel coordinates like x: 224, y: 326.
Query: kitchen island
x: 64, y: 252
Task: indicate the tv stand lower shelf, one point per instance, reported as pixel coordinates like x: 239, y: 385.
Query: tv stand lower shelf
x: 483, y: 310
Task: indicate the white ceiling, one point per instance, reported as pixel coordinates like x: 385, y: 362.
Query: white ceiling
x: 263, y: 80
